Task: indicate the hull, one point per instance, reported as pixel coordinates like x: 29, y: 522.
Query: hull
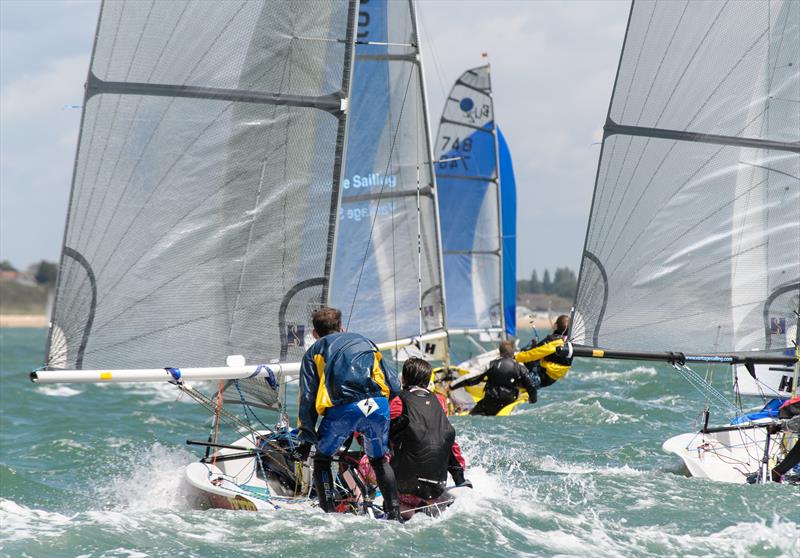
x: 239, y: 484
x: 728, y: 456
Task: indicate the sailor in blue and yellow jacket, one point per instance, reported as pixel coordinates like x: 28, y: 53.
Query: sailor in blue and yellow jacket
x: 552, y: 366
x: 343, y: 379
x: 338, y: 369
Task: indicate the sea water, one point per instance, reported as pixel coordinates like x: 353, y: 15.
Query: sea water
x: 94, y: 471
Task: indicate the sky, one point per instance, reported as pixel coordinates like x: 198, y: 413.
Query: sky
x: 553, y: 66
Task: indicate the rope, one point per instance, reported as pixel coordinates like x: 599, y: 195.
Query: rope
x: 712, y: 394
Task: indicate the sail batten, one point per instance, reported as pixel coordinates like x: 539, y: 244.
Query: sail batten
x: 694, y: 231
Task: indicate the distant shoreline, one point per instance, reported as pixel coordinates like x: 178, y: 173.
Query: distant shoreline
x: 23, y: 320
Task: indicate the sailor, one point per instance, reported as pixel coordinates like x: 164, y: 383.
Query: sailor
x: 344, y: 379
x: 504, y: 378
x: 423, y: 440
x: 790, y: 413
x: 543, y: 359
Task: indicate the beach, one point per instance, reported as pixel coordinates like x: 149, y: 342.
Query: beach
x: 23, y: 320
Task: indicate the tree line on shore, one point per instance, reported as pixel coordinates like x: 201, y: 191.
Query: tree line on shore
x: 564, y: 283
x: 43, y: 272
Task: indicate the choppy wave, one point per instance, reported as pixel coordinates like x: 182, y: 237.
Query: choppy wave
x: 581, y: 473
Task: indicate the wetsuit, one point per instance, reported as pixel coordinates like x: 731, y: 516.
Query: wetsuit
x: 344, y: 379
x: 541, y: 358
x: 504, y: 378
x: 424, y: 445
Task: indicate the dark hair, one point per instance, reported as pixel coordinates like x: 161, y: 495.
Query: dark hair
x: 506, y: 348
x: 561, y: 325
x: 416, y: 372
x: 327, y: 320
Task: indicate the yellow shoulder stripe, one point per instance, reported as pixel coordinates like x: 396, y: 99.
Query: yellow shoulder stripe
x: 323, y: 398
x: 377, y: 374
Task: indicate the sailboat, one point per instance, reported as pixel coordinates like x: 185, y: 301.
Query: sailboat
x: 692, y: 251
x: 477, y: 204
x: 239, y: 165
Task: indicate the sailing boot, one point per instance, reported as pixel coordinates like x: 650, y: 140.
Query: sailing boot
x: 323, y: 482
x: 388, y: 485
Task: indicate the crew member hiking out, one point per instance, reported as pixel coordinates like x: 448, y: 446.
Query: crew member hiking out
x: 543, y: 358
x: 344, y: 380
x: 423, y: 441
x: 504, y: 378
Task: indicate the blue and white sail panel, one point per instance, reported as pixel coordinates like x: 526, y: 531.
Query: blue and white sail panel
x: 207, y: 169
x: 386, y: 277
x: 467, y: 182
x: 693, y: 242
x: 508, y: 203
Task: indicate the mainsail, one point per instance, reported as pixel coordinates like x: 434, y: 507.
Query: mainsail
x: 387, y: 272
x: 202, y: 216
x: 693, y: 243
x: 477, y: 220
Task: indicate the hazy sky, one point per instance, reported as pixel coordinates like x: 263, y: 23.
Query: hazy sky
x: 553, y: 67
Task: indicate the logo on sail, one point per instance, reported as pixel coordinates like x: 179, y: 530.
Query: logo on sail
x: 295, y: 334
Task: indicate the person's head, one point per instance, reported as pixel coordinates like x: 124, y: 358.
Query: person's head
x: 326, y: 320
x: 416, y: 373
x: 506, y: 349
x: 561, y: 325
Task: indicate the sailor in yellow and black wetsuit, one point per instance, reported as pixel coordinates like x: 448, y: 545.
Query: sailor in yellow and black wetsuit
x: 344, y: 379
x: 543, y: 360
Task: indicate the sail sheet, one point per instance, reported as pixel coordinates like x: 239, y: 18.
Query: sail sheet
x: 693, y: 243
x: 208, y: 164
x: 469, y: 203
x: 386, y: 277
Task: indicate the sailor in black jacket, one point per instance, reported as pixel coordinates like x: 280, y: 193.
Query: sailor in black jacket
x: 504, y: 378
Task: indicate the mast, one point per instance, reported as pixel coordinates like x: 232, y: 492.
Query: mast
x: 341, y: 150
x: 498, y: 181
x: 429, y: 163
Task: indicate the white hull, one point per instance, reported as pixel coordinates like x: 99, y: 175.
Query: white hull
x: 727, y: 456
x: 236, y: 485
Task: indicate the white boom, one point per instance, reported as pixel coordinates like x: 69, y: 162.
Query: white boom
x: 173, y: 374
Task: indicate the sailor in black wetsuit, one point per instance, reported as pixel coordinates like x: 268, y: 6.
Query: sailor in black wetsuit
x: 543, y: 358
x: 504, y: 378
x: 423, y: 440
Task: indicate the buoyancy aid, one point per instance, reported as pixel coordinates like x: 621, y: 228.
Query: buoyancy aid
x: 544, y: 354
x: 422, y: 449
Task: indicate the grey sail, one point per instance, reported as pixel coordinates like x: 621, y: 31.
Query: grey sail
x: 387, y: 272
x: 693, y: 243
x: 208, y: 165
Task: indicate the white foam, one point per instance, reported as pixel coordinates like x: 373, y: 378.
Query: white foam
x: 154, y: 481
x: 637, y: 372
x: 58, y: 391
x: 20, y: 522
